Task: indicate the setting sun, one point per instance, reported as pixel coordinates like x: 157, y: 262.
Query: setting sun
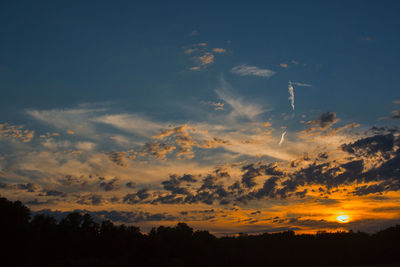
x: 343, y: 218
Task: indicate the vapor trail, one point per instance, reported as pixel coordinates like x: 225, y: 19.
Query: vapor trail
x: 291, y: 94
x: 282, y: 138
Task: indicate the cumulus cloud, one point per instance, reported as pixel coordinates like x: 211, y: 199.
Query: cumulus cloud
x: 246, y: 70
x: 121, y: 158
x: 157, y: 150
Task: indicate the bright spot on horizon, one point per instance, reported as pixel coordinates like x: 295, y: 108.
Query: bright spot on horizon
x: 343, y: 218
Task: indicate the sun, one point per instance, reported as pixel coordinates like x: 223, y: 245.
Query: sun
x: 343, y: 218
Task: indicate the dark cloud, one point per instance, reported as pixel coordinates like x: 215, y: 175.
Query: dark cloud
x: 54, y: 193
x: 71, y: 180
x: 371, y: 145
x: 37, y: 202
x: 251, y: 173
x: 324, y: 121
x: 137, y: 197
x: 29, y: 187
x: 120, y: 158
x: 174, y: 185
x: 92, y: 199
x: 114, y: 216
x: 268, y: 189
x: 110, y: 185
x: 395, y: 114
x: 130, y: 184
x: 279, y: 183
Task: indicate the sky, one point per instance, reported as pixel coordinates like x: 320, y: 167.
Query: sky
x: 232, y: 117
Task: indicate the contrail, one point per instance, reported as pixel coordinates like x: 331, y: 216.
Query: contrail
x: 282, y: 138
x: 291, y: 94
x: 302, y: 84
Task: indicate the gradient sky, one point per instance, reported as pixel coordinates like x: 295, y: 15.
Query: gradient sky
x: 233, y: 117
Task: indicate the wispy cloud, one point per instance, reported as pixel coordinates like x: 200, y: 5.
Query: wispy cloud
x: 282, y: 138
x: 291, y: 94
x: 246, y: 70
x: 130, y: 123
x: 200, y: 44
x: 219, y: 50
x: 239, y: 107
x: 216, y: 105
x: 302, y: 84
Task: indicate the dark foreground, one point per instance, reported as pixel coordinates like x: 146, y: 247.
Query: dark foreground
x: 79, y: 241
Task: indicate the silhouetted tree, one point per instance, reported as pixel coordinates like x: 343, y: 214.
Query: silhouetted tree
x: 77, y: 240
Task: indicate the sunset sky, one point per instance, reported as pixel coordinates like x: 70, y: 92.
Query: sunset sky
x: 258, y: 116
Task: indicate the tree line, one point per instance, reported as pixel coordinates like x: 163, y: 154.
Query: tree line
x: 77, y: 240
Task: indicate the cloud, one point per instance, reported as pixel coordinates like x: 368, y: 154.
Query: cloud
x: 189, y: 51
x: 16, y: 132
x: 165, y: 133
x: 130, y: 185
x: 120, y: 158
x: 130, y: 123
x: 75, y: 120
x: 282, y: 138
x: 157, y: 150
x: 137, y: 197
x: 291, y: 94
x: 110, y: 185
x: 245, y: 70
x: 217, y: 105
x: 302, y: 84
x: 126, y: 217
x: 249, y: 110
x: 219, y: 50
x: 200, y: 44
x: 325, y: 120
x: 85, y: 145
x: 207, y: 58
x: 396, y: 114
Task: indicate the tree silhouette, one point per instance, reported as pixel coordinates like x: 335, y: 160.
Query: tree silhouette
x: 78, y: 240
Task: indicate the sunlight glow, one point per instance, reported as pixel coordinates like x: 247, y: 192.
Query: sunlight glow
x: 343, y: 218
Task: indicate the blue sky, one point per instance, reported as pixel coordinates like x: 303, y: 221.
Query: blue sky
x: 188, y: 87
